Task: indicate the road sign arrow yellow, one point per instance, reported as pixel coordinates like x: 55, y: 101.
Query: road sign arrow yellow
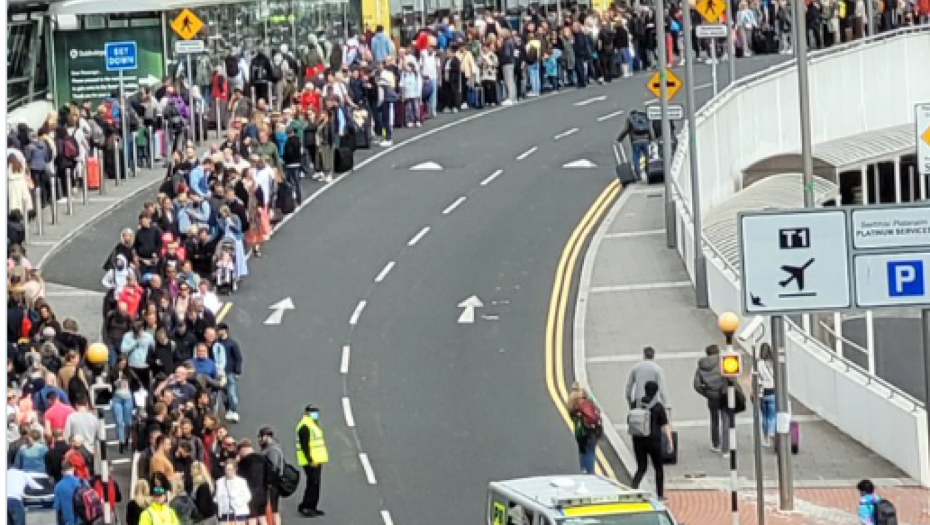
x: 672, y: 81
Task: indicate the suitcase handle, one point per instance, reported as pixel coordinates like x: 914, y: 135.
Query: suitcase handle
x: 619, y: 154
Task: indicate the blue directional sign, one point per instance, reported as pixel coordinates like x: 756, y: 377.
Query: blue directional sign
x: 121, y: 56
x: 906, y: 278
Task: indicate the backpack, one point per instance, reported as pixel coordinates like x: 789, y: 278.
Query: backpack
x: 288, y: 480
x: 70, y: 149
x: 258, y: 73
x: 885, y: 513
x: 532, y: 55
x: 277, y: 72
x: 639, y: 420
x: 639, y: 123
x: 173, y: 116
x: 590, y: 417
x: 87, y: 504
x: 607, y: 40
x: 232, y: 66
x: 97, y: 136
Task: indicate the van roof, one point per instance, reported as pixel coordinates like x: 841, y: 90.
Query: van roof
x: 551, y: 490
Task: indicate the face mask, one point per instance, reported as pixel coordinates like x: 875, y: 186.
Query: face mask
x: 315, y: 416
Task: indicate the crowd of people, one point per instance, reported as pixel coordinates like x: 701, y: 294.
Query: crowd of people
x: 172, y: 371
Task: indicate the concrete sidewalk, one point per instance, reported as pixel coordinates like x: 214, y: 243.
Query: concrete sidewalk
x: 635, y: 292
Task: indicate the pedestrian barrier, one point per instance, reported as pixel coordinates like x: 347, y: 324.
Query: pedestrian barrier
x: 757, y: 118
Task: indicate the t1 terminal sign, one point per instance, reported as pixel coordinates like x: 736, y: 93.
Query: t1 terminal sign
x: 835, y: 259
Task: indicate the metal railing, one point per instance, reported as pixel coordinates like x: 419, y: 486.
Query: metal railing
x: 684, y: 204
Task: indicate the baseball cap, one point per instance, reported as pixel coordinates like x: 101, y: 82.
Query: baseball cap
x: 311, y: 408
x: 265, y: 431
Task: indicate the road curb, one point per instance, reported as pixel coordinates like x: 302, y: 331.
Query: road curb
x: 579, y: 353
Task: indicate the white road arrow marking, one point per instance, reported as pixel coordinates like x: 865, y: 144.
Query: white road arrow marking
x: 427, y: 166
x: 591, y: 100
x: 580, y: 164
x: 469, y: 305
x: 278, y: 311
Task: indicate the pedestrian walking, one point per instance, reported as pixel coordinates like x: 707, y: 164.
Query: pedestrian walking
x: 586, y: 418
x: 645, y: 371
x: 873, y: 509
x: 767, y: 409
x: 17, y: 482
x: 312, y: 454
x: 710, y: 384
x: 232, y: 496
x: 647, y: 423
x: 271, y: 449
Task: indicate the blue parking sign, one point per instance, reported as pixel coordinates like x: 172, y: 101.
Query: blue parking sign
x: 121, y: 56
x: 905, y: 278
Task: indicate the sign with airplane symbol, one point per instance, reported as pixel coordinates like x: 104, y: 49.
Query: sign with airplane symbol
x: 794, y: 261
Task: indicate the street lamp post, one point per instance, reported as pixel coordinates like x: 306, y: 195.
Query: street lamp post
x: 730, y: 369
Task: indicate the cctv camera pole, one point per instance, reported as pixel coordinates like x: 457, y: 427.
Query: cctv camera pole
x: 731, y: 420
x: 700, y: 263
x: 100, y: 448
x: 783, y: 421
x: 671, y: 222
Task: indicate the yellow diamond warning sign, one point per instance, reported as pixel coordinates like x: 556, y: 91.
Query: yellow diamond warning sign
x: 712, y: 10
x: 922, y: 121
x: 187, y: 25
x: 674, y: 84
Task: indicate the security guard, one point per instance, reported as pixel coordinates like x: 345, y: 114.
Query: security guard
x: 311, y: 456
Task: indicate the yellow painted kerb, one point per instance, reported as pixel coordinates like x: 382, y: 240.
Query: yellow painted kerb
x: 558, y: 309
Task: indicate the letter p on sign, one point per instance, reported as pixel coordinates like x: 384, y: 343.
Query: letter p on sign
x: 905, y: 278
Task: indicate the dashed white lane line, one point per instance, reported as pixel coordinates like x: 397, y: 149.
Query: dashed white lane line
x: 418, y: 237
x: 565, y: 134
x: 609, y: 116
x: 344, y: 362
x: 359, y: 308
x: 491, y: 178
x: 366, y: 466
x: 527, y: 153
x: 384, y: 271
x: 451, y: 208
x: 347, y: 410
x: 386, y: 518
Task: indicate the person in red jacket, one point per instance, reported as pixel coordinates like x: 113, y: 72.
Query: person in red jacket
x: 131, y: 295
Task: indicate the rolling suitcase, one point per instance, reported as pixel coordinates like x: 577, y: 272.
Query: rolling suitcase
x: 400, y: 114
x: 795, y: 432
x: 41, y: 498
x: 625, y: 171
x: 93, y: 173
x: 285, y: 197
x: 344, y: 160
x: 476, y: 97
x: 670, y: 458
x: 655, y: 166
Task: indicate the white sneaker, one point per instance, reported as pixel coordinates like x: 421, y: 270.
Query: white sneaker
x: 419, y: 124
x: 714, y: 449
x: 329, y: 179
x: 318, y: 175
x: 507, y: 102
x: 386, y: 143
x: 464, y: 105
x: 410, y: 124
x: 726, y: 455
x: 232, y: 417
x: 63, y: 200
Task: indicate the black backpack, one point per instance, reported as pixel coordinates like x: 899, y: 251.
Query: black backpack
x: 258, y: 72
x: 288, y: 480
x: 885, y: 513
x: 532, y: 55
x: 232, y: 66
x: 607, y: 39
x: 639, y: 123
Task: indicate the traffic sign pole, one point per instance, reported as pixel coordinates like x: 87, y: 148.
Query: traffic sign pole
x: 713, y: 66
x: 700, y: 263
x: 671, y: 220
x: 192, y: 110
x: 804, y: 97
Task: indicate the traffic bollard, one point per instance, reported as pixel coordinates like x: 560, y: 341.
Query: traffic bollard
x: 151, y: 155
x: 216, y: 104
x: 84, y: 182
x: 117, y: 171
x: 69, y: 188
x: 53, y: 187
x: 39, y: 210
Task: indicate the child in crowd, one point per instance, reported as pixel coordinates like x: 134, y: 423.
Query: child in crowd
x: 412, y: 92
x: 551, y: 64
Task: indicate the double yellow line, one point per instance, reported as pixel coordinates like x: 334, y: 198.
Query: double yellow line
x: 558, y: 311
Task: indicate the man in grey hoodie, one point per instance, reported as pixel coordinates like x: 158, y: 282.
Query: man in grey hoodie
x: 709, y: 383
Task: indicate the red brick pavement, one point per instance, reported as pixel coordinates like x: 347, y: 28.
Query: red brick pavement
x: 812, y: 507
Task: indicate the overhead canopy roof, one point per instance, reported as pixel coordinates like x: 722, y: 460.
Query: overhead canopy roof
x: 99, y: 7
x: 784, y: 191
x: 835, y: 156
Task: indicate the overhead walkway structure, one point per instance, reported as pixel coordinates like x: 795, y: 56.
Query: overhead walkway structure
x: 864, y: 143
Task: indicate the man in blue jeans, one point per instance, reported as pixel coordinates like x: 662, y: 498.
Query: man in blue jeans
x: 641, y: 134
x: 233, y: 369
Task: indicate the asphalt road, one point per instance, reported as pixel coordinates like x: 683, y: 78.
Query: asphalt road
x: 436, y: 408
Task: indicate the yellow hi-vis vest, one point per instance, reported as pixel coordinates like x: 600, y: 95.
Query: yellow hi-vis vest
x: 318, y: 453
